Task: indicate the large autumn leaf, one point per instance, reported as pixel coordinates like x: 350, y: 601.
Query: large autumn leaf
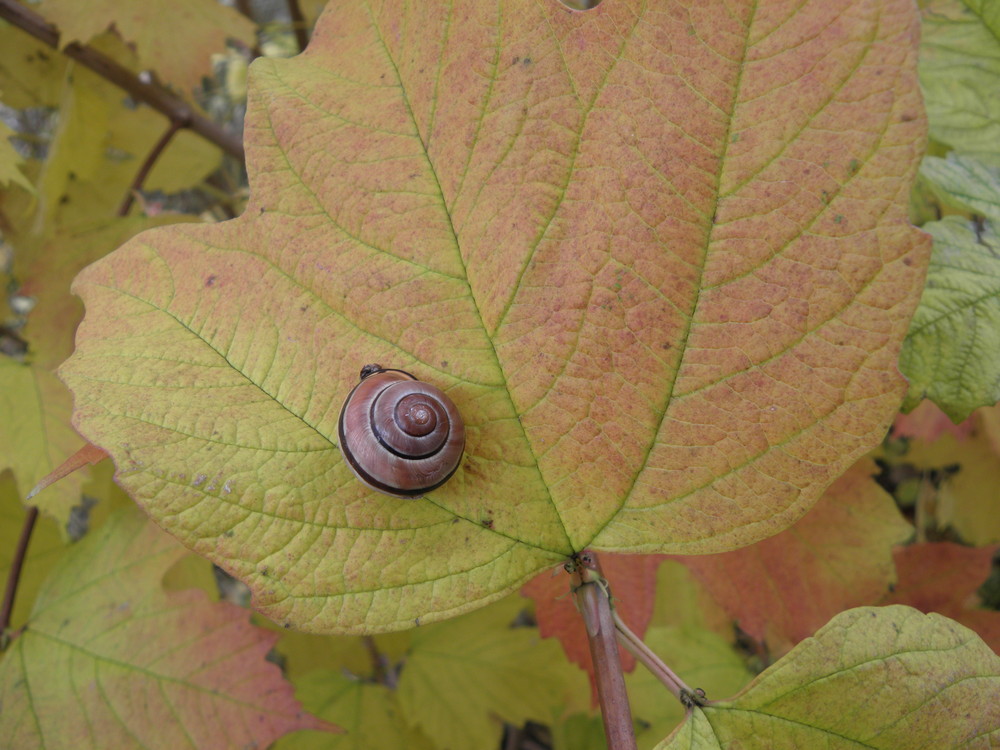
x: 657, y: 255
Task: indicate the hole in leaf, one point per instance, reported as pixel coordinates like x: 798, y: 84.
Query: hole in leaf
x: 581, y: 4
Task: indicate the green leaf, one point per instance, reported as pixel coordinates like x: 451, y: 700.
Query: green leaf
x: 464, y: 677
x: 952, y: 353
x: 886, y: 677
x: 36, y: 436
x: 667, y: 303
x: 154, y: 27
x: 369, y: 714
x: 10, y: 162
x: 108, y: 659
x: 30, y: 74
x: 966, y: 182
x: 960, y: 73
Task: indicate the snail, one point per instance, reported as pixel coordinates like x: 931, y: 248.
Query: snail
x: 400, y: 436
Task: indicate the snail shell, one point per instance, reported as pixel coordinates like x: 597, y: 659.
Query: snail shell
x: 399, y: 435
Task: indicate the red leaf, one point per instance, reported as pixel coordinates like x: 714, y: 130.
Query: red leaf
x: 928, y: 422
x: 943, y: 577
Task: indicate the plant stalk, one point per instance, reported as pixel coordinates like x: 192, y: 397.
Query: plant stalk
x: 594, y: 603
x: 14, y: 574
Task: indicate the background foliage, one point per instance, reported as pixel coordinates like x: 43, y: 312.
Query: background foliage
x: 118, y: 650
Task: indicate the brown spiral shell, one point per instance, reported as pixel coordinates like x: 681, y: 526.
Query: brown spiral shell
x: 399, y: 435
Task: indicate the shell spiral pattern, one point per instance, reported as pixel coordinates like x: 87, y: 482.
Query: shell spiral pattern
x: 399, y: 435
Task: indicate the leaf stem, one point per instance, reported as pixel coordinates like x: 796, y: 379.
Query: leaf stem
x: 655, y: 664
x: 156, y: 96
x: 14, y: 574
x: 147, y: 164
x: 590, y: 591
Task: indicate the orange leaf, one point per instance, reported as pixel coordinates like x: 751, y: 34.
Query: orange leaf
x: 838, y: 556
x: 88, y: 454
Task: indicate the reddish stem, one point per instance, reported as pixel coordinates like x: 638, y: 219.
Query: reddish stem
x: 593, y: 600
x: 14, y: 574
x: 147, y: 165
x: 157, y: 97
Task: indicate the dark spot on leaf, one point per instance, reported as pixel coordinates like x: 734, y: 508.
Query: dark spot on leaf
x: 210, y: 281
x: 907, y: 117
x: 907, y: 261
x: 526, y: 61
x: 854, y: 166
x: 487, y: 522
x: 515, y: 61
x: 286, y: 625
x: 264, y: 572
x: 416, y: 621
x: 838, y: 219
x: 454, y: 520
x: 444, y: 363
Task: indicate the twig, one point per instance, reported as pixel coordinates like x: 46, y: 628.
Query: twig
x: 157, y: 97
x: 593, y: 600
x: 383, y: 672
x: 147, y: 165
x: 298, y: 24
x: 14, y: 574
